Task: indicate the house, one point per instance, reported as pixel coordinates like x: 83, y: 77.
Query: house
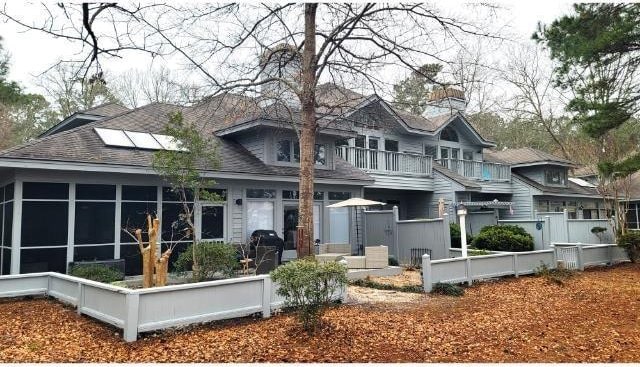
x: 633, y: 214
x: 67, y: 195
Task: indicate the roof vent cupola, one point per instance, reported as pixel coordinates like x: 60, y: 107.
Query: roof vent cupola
x: 447, y: 100
x: 281, y: 62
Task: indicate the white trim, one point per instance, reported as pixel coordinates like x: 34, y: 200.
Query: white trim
x: 71, y: 224
x: 118, y: 222
x: 16, y: 227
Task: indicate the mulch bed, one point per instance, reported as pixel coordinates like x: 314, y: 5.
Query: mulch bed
x: 593, y: 317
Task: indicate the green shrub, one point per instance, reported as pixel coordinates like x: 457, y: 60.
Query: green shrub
x: 503, y: 238
x: 98, y: 272
x: 307, y: 286
x: 215, y: 260
x: 477, y: 252
x: 630, y: 241
x: 448, y: 289
x: 456, y: 235
x: 393, y: 261
x: 409, y: 288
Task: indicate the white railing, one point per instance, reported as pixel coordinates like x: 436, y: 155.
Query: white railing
x: 385, y: 161
x: 485, y: 171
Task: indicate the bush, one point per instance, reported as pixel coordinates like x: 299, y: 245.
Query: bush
x: 307, y: 286
x: 393, y: 261
x: 98, y: 272
x: 215, y: 260
x: 630, y: 241
x: 456, y: 235
x: 448, y: 289
x: 503, y: 238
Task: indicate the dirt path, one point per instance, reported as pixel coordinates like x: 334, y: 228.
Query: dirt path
x: 592, y: 318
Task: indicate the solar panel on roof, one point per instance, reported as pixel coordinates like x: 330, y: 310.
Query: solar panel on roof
x: 168, y: 142
x: 143, y: 140
x: 115, y: 138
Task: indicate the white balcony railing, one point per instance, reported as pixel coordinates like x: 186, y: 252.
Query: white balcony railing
x: 384, y: 161
x: 485, y: 171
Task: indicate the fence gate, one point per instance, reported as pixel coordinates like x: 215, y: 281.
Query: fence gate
x: 379, y: 229
x: 569, y: 256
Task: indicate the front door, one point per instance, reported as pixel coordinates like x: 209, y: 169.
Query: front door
x: 212, y: 222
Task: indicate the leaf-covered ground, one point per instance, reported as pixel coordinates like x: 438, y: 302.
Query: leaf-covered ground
x: 595, y: 316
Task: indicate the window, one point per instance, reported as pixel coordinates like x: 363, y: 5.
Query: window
x: 555, y: 176
x: 284, y: 151
x: 6, y: 261
x: 168, y: 194
x: 43, y: 259
x: 449, y: 134
x: 333, y: 195
x: 6, y: 225
x: 467, y: 155
x: 391, y: 145
x: 320, y: 155
x: 373, y: 143
x: 92, y: 253
x: 137, y: 203
x: 174, y: 225
x: 295, y: 195
x: 342, y: 142
x: 261, y: 194
x: 430, y: 150
x: 360, y: 141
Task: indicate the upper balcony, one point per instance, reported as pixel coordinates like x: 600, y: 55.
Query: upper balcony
x: 381, y: 161
x: 484, y: 171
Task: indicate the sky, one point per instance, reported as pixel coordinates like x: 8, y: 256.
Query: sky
x: 33, y: 53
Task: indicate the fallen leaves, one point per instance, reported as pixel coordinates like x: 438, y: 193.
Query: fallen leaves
x: 593, y: 318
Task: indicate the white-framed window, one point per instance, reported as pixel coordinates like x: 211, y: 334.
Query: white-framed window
x: 288, y: 151
x: 555, y: 176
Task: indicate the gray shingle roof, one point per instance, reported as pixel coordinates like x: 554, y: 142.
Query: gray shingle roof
x: 570, y: 189
x: 107, y: 109
x: 82, y: 145
x: 467, y: 183
x: 522, y: 156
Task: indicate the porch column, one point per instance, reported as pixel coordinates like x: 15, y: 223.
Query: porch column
x: 16, y: 231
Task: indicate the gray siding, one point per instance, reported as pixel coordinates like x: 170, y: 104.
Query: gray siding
x: 254, y: 142
x: 445, y: 188
x: 522, y: 198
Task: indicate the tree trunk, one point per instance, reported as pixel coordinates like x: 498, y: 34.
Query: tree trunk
x: 307, y: 133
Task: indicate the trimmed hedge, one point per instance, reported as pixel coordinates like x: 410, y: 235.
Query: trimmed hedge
x: 630, y: 241
x: 503, y: 238
x: 97, y: 272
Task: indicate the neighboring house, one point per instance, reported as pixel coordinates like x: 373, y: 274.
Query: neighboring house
x: 633, y: 215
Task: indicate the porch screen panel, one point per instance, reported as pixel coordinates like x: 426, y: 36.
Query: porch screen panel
x: 44, y: 227
x: 137, y: 202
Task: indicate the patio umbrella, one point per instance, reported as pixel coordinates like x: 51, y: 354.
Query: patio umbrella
x: 355, y: 203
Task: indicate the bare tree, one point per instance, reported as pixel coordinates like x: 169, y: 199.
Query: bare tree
x: 234, y: 47
x: 535, y: 97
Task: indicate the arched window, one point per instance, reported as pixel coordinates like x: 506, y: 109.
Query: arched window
x: 448, y: 134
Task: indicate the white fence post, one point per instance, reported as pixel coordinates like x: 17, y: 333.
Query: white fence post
x: 468, y: 271
x: 130, y: 327
x: 565, y: 221
x: 426, y: 273
x: 580, y: 257
x: 266, y: 297
x: 80, y: 301
x: 515, y: 265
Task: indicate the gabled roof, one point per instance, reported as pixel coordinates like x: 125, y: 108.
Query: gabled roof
x: 80, y: 118
x: 570, y: 190
x: 465, y: 182
x: 525, y: 157
x: 82, y: 145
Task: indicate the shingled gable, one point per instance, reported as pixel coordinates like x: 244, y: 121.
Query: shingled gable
x: 82, y: 145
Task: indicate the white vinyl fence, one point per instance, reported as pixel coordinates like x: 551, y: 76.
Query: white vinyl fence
x: 468, y: 269
x: 140, y: 310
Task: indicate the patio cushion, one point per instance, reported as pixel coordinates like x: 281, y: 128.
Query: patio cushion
x: 355, y: 262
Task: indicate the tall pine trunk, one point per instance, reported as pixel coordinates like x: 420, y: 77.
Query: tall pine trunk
x: 307, y: 133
